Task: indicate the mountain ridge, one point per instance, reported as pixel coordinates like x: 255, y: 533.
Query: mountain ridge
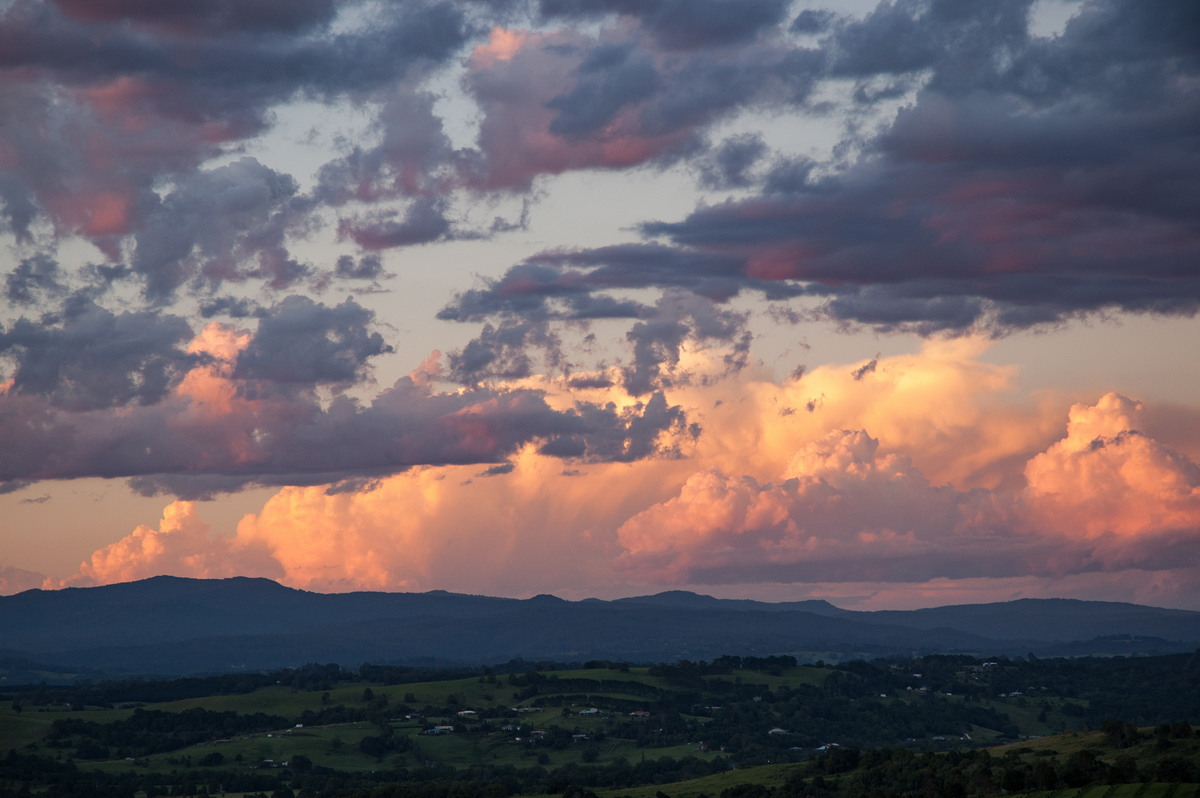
x: 177, y: 625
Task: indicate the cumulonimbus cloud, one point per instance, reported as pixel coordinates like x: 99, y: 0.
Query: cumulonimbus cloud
x: 811, y: 502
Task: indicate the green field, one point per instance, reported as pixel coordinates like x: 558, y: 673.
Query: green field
x: 686, y: 731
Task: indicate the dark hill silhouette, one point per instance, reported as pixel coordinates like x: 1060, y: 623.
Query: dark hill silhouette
x: 172, y: 626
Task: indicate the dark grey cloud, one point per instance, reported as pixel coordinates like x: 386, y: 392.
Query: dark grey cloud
x: 206, y: 17
x: 413, y: 156
x: 17, y: 208
x: 566, y: 284
x: 87, y: 357
x: 224, y: 69
x: 813, y: 20
x: 109, y: 102
x: 226, y: 223
x: 424, y: 222
x: 728, y: 165
x: 301, y: 342
x: 622, y: 98
x: 611, y: 78
x: 865, y: 369
x: 658, y: 339
x: 524, y: 338
x: 960, y: 41
x: 367, y: 267
x: 505, y: 351
x: 1028, y: 183
x: 682, y: 24
x: 35, y: 278
x: 175, y: 447
x: 232, y: 307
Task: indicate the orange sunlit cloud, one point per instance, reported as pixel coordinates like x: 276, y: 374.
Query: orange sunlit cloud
x: 1110, y: 483
x: 806, y: 497
x: 182, y: 545
x: 502, y: 45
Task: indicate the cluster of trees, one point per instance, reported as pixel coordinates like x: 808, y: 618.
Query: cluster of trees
x: 56, y: 778
x: 901, y: 773
x: 153, y: 731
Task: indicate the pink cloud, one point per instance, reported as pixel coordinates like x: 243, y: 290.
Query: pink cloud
x: 765, y: 502
x: 1129, y: 496
x: 182, y: 545
x: 16, y: 580
x: 840, y: 507
x: 515, y: 76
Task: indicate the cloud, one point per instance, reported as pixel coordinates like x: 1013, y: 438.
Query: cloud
x: 728, y: 164
x: 367, y: 267
x: 1015, y: 190
x: 302, y: 342
x: 682, y: 24
x: 962, y: 491
x: 182, y: 545
x: 213, y: 223
x: 559, y: 101
x: 423, y: 222
x: 1109, y: 482
x: 16, y: 580
x: 659, y: 337
x: 517, y: 77
x: 34, y: 278
x: 983, y: 180
x: 840, y: 512
x: 207, y: 17
x: 243, y: 415
x: 1104, y: 498
x: 130, y: 98
x: 413, y: 157
x: 92, y: 358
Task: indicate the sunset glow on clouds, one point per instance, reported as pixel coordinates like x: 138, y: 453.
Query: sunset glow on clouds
x: 600, y: 298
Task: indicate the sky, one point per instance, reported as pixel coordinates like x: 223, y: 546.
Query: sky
x: 888, y: 304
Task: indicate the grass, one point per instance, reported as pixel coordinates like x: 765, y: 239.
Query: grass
x: 767, y: 775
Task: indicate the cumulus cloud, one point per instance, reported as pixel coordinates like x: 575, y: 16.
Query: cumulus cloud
x: 840, y: 512
x: 131, y: 97
x: 34, y: 278
x: 963, y: 490
x: 182, y: 545
x: 681, y: 23
x: 92, y: 358
x: 423, y: 222
x: 16, y: 580
x: 1016, y: 189
x: 1109, y: 482
x: 303, y: 342
x: 235, y: 418
x: 1104, y: 498
x: 227, y: 223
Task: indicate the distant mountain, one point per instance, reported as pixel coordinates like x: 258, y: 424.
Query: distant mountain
x: 685, y: 599
x: 173, y: 626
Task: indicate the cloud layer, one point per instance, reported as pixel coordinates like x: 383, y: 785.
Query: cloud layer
x: 212, y: 213
x: 813, y: 503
